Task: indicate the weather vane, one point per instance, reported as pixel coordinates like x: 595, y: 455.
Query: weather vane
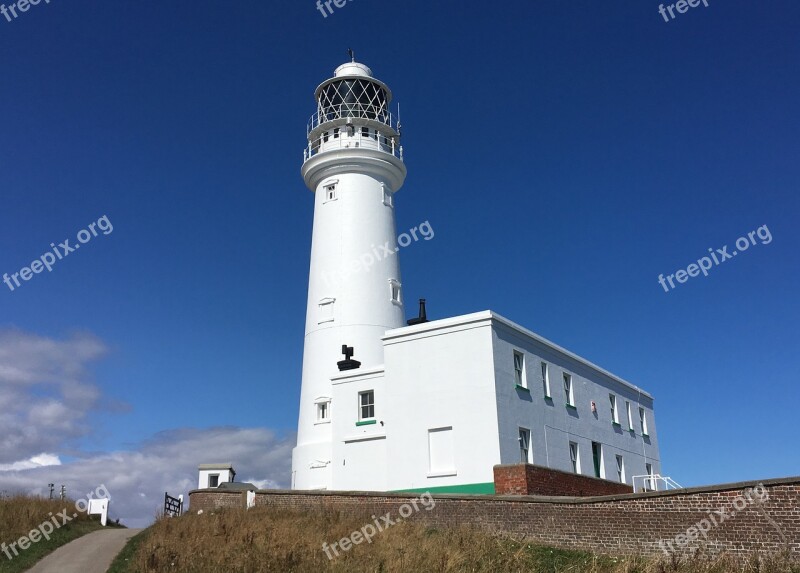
x: 352, y: 56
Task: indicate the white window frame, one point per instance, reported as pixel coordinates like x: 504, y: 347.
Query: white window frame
x: 323, y: 405
x: 519, y: 369
x: 387, y: 196
x: 546, y: 379
x: 214, y: 476
x: 620, y: 468
x: 326, y: 309
x: 394, y: 284
x: 575, y: 457
x: 643, y: 421
x: 524, y: 438
x: 649, y: 481
x: 568, y: 389
x: 361, y: 406
x: 330, y: 188
x: 630, y: 414
x: 614, y: 411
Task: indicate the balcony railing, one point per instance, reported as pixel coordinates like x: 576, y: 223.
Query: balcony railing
x: 375, y: 140
x: 655, y: 482
x: 353, y: 110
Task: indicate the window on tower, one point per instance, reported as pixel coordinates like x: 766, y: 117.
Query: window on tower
x: 330, y: 191
x: 323, y: 411
x: 364, y: 132
x: 326, y: 310
x: 325, y: 137
x: 336, y: 133
x: 366, y: 405
x: 395, y: 293
x: 387, y: 196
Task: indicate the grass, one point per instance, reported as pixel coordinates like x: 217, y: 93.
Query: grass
x: 122, y: 562
x: 19, y: 515
x: 265, y: 540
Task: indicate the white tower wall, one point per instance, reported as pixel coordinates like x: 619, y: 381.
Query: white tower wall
x: 351, y: 279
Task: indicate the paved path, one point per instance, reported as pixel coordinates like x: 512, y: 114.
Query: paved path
x: 92, y: 553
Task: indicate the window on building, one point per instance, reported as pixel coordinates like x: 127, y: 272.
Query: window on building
x: 330, y: 192
x: 643, y: 421
x: 395, y: 292
x: 441, y: 458
x: 630, y: 415
x: 545, y: 380
x: 525, y: 446
x: 365, y: 132
x: 213, y: 480
x: 336, y: 133
x: 614, y: 414
x: 366, y: 405
x: 620, y: 469
x: 323, y: 411
x: 568, y: 389
x: 519, y: 369
x: 325, y: 137
x: 574, y: 457
x: 597, y: 458
x: 649, y: 482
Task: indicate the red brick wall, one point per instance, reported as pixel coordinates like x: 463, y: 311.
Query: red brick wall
x: 526, y: 479
x: 616, y: 524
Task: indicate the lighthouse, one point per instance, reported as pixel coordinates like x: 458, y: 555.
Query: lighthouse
x: 353, y: 164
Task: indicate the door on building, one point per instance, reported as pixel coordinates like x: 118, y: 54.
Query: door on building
x: 597, y: 456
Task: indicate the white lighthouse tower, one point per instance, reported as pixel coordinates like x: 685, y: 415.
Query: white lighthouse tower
x: 353, y: 164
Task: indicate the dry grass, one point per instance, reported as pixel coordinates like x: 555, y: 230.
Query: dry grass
x: 266, y: 540
x: 19, y: 515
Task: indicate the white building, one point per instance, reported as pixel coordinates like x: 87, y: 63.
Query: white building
x: 214, y: 475
x: 432, y: 406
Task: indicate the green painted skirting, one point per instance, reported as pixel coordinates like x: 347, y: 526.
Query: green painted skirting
x: 469, y: 488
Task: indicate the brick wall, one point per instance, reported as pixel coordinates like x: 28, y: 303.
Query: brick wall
x: 616, y: 524
x: 527, y: 479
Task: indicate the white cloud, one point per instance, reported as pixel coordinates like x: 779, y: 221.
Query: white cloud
x: 138, y: 478
x: 45, y: 392
x: 46, y: 395
x: 42, y: 460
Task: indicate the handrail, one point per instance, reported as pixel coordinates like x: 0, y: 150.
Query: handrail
x: 375, y: 141
x: 352, y: 110
x: 650, y: 482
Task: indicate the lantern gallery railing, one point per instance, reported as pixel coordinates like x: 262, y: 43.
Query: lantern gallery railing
x: 360, y: 138
x: 355, y: 111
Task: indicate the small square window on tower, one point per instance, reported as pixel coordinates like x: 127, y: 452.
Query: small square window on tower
x: 395, y: 292
x: 387, y: 196
x: 323, y: 407
x: 326, y: 310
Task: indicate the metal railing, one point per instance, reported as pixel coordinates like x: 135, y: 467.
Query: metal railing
x: 352, y: 110
x: 375, y: 140
x: 650, y: 482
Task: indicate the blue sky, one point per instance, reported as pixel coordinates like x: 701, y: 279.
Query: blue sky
x: 565, y: 153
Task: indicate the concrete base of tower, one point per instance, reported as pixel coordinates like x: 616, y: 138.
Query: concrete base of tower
x: 311, y: 466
